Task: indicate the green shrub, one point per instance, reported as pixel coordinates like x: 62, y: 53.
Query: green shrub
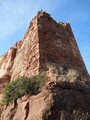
x: 22, y: 86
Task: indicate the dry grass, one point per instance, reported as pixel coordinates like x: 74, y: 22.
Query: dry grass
x: 72, y: 75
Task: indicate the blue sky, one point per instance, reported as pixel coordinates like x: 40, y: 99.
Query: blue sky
x: 15, y: 16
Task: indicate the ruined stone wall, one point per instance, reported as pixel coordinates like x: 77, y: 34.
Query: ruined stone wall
x: 57, y: 44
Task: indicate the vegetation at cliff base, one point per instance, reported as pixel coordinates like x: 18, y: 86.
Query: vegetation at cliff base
x: 22, y: 86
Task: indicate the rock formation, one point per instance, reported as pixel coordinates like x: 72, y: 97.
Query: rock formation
x: 51, y: 48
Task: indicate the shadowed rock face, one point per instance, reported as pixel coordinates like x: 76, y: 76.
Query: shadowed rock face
x: 51, y: 48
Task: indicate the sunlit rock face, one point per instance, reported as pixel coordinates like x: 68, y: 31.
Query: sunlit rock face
x: 6, y: 64
x: 48, y: 47
x: 45, y: 42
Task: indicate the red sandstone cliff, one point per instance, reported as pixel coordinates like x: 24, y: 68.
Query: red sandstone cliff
x: 6, y: 64
x: 51, y: 48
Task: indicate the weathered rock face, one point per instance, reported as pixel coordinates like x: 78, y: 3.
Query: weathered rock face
x: 45, y: 42
x: 51, y: 48
x: 57, y: 44
x: 6, y: 64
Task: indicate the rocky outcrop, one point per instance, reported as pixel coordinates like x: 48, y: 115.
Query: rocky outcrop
x: 31, y: 56
x: 51, y: 48
x: 6, y: 64
x: 60, y: 101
